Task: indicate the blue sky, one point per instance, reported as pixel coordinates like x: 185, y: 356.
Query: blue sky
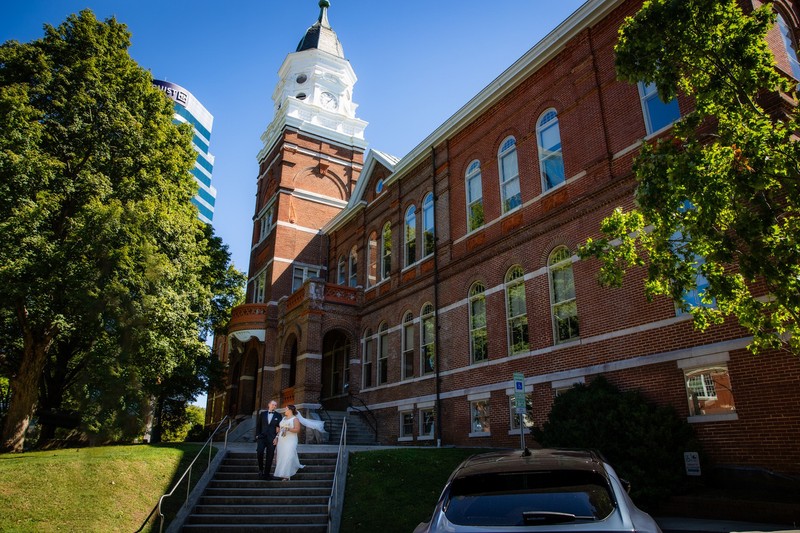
x: 417, y: 61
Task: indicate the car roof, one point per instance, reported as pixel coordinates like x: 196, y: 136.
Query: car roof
x: 540, y: 460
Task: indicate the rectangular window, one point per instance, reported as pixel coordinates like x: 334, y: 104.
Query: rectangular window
x: 301, y: 274
x: 428, y: 339
x: 657, y: 113
x: 478, y: 341
x: 428, y: 222
x: 480, y: 416
x: 527, y: 418
x: 367, y: 366
x: 407, y: 424
x: 708, y: 390
x: 427, y: 421
x: 383, y: 356
x: 260, y: 287
x: 408, y: 349
x: 265, y: 224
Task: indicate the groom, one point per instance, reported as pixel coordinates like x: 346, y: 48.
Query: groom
x: 266, y: 431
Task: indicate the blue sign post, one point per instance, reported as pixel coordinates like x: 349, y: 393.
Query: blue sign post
x: 520, y: 405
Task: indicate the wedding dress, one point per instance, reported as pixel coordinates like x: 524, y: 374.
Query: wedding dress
x: 287, y: 463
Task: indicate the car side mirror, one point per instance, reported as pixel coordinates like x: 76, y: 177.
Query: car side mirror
x: 626, y: 485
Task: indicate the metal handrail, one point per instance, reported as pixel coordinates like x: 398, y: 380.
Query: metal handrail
x: 333, y: 501
x: 187, y: 471
x: 371, y: 421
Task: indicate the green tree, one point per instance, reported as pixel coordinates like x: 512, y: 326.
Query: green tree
x: 719, y: 197
x: 644, y: 442
x: 100, y: 238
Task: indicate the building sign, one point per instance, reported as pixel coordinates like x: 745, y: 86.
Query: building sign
x: 176, y: 92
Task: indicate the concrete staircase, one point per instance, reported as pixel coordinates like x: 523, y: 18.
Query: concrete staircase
x: 238, y: 500
x: 358, y: 430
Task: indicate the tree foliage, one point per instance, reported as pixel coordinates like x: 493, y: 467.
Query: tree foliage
x: 644, y: 442
x: 106, y: 274
x: 719, y: 196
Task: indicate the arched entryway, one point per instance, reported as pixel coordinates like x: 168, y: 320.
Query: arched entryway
x: 335, y: 369
x: 233, y: 391
x: 247, y: 382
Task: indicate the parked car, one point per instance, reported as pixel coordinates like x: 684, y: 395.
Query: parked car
x: 548, y: 490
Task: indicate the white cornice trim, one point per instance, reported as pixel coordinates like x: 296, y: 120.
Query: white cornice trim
x: 318, y: 198
x: 544, y: 51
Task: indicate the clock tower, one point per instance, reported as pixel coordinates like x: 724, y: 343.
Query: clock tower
x: 310, y: 160
x: 312, y: 155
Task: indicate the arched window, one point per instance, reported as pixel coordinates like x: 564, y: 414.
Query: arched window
x: 341, y: 271
x: 551, y: 162
x: 353, y: 280
x: 386, y: 251
x: 366, y: 360
x: 789, y: 45
x: 428, y: 339
x: 372, y: 259
x: 510, y: 195
x: 408, y: 346
x: 562, y: 289
x: 383, y: 354
x: 477, y: 323
x: 475, y: 217
x: 428, y: 222
x: 516, y: 310
x: 410, y: 235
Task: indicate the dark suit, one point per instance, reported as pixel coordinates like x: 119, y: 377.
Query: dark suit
x: 266, y: 431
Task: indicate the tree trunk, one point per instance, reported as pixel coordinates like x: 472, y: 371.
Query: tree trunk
x: 24, y: 392
x: 158, y: 428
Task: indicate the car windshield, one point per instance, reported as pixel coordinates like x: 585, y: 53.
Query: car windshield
x: 529, y: 498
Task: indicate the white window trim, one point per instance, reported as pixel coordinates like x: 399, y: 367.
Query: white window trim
x: 648, y: 125
x: 406, y: 241
x: 422, y: 253
x: 472, y: 173
x: 506, y: 285
x: 401, y: 437
x: 558, y: 266
x: 540, y: 150
x: 503, y: 181
x: 470, y: 299
x: 422, y: 318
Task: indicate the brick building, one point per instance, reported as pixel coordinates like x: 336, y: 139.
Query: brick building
x: 417, y: 286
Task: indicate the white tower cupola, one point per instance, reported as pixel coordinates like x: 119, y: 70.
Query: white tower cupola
x: 315, y: 90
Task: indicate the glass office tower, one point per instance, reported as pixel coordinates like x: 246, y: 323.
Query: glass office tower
x: 189, y: 109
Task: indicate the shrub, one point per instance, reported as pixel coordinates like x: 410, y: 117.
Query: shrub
x: 644, y: 442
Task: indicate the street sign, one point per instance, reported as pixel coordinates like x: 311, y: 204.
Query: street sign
x: 519, y: 393
x: 692, y: 462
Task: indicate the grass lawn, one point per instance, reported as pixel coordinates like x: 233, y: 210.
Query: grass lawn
x: 102, y: 489
x: 394, y: 490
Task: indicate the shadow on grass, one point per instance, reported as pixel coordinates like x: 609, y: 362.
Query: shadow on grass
x: 181, y: 483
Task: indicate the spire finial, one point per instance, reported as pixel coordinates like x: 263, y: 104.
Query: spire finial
x: 323, y: 13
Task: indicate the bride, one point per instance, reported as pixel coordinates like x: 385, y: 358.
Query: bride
x: 288, y: 462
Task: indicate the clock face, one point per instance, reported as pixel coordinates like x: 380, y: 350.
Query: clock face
x: 328, y: 100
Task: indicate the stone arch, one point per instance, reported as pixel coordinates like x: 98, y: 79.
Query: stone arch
x: 325, y: 183
x: 247, y: 381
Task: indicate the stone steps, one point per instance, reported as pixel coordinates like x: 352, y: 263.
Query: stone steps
x: 236, y: 499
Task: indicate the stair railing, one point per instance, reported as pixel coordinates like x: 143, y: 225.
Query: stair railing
x: 334, y: 502
x: 366, y: 414
x: 188, y: 471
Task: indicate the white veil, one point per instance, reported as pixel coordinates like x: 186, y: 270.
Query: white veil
x: 316, y: 425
